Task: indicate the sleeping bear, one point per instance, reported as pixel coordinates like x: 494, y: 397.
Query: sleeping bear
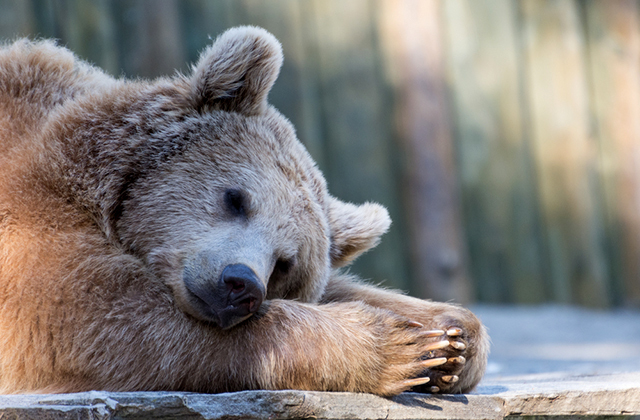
x: 175, y: 235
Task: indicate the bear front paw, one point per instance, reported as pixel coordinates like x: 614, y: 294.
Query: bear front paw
x: 462, y: 352
x: 411, y: 357
x: 444, y: 359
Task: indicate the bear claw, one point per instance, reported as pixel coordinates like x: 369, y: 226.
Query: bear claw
x: 437, y: 345
x: 432, y: 333
x: 434, y: 362
x: 450, y: 378
x: 454, y: 332
x: 458, y: 345
x: 434, y: 389
x: 458, y: 359
x: 416, y: 381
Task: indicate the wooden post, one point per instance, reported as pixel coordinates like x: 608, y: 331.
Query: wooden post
x: 613, y: 30
x: 494, y: 156
x: 87, y: 29
x: 201, y: 22
x: 357, y: 127
x: 412, y: 37
x: 149, y: 36
x: 565, y: 151
x: 16, y: 19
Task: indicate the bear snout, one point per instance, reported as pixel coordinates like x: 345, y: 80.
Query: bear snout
x: 236, y: 295
x: 244, y: 288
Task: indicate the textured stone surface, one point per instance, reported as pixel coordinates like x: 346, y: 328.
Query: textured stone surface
x: 534, y: 395
x: 546, y: 361
x: 562, y: 394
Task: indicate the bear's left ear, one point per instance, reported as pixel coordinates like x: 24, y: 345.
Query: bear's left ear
x: 237, y: 72
x: 354, y: 229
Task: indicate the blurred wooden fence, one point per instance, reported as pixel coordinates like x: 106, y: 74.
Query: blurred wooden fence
x: 503, y: 135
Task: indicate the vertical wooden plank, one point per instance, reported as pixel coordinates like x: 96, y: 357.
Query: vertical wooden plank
x: 357, y: 126
x: 16, y: 19
x: 614, y: 52
x: 44, y: 18
x: 565, y: 151
x: 148, y: 33
x: 311, y: 131
x: 201, y: 22
x: 498, y: 185
x: 413, y: 39
x: 86, y: 27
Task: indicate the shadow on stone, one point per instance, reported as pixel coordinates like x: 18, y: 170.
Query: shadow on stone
x: 428, y: 401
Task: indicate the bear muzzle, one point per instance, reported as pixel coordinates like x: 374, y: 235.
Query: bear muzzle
x: 232, y: 298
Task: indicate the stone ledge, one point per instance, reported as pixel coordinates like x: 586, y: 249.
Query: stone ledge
x: 533, y: 395
x: 547, y: 361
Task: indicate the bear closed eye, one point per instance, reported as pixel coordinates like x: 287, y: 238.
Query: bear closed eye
x: 235, y: 202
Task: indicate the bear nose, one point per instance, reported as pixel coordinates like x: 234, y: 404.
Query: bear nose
x: 244, y: 294
x: 227, y: 300
x: 243, y: 286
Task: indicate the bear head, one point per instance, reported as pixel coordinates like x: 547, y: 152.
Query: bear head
x: 239, y: 213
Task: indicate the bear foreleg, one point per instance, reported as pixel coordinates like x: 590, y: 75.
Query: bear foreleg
x: 464, y: 341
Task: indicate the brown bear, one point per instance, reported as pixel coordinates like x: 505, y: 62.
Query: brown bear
x: 175, y: 235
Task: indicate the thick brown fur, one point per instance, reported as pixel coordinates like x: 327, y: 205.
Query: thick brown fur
x: 111, y: 190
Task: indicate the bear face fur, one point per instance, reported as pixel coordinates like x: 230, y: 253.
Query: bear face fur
x: 176, y: 235
x: 243, y: 209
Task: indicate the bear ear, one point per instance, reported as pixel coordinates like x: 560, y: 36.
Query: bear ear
x: 237, y: 72
x: 354, y: 229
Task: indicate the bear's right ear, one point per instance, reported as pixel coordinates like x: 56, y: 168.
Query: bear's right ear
x: 237, y: 72
x: 354, y: 229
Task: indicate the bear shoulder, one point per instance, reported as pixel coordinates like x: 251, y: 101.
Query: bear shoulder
x: 35, y: 78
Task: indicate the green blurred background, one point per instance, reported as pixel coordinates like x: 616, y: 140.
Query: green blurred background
x: 503, y: 135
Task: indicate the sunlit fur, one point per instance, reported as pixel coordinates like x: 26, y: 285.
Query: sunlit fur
x: 110, y: 188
